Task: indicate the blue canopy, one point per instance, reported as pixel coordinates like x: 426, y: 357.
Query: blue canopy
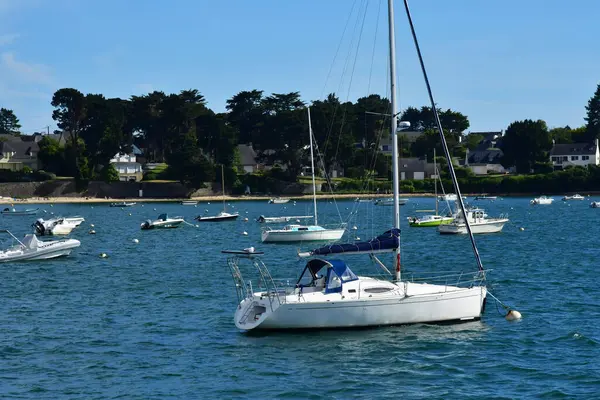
x: 386, y: 242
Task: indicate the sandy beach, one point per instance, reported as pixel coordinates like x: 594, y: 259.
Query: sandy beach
x: 46, y: 200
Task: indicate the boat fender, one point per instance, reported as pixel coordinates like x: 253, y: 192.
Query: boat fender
x: 92, y: 232
x: 521, y: 229
x: 513, y: 315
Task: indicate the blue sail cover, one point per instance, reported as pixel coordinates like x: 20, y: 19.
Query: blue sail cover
x: 387, y: 241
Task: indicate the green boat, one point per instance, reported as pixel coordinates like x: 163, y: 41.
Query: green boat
x: 429, y: 220
x: 432, y: 220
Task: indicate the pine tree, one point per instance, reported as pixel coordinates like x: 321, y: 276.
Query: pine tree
x: 593, y: 116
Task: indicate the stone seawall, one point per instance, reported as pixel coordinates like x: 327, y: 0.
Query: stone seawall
x: 115, y: 190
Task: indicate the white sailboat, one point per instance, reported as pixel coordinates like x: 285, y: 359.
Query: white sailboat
x: 301, y: 233
x: 223, y: 215
x: 329, y: 295
x: 542, y: 200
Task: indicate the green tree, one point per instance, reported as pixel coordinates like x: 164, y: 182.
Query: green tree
x: 246, y: 114
x: 526, y: 143
x: 70, y: 112
x: 9, y: 123
x: 51, y: 155
x: 110, y: 173
x: 473, y: 140
x: 561, y: 135
x: 593, y: 116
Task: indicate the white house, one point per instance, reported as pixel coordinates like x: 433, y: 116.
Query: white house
x: 127, y: 166
x: 574, y: 154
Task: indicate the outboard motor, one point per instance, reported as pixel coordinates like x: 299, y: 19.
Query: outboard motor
x: 147, y: 224
x: 261, y: 219
x: 40, y: 229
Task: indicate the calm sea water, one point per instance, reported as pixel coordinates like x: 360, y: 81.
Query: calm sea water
x: 154, y: 320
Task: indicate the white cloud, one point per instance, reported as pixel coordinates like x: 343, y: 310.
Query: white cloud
x: 8, y: 38
x: 31, y: 73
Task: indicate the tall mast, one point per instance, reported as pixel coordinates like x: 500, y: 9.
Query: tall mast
x: 312, y: 165
x: 223, y: 185
x: 396, y: 183
x: 435, y: 182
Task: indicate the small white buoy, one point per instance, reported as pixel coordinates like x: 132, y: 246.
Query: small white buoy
x: 354, y: 228
x: 136, y: 241
x: 154, y: 209
x: 197, y: 226
x: 513, y: 315
x: 51, y: 205
x: 92, y: 232
x: 245, y: 233
x: 45, y: 211
x: 521, y: 229
x: 52, y: 213
x: 357, y: 238
x: 195, y: 205
x: 92, y: 207
x: 103, y: 255
x: 92, y: 225
x: 208, y: 202
x: 298, y: 221
x: 142, y: 205
x: 246, y: 212
x: 130, y: 214
x: 245, y: 219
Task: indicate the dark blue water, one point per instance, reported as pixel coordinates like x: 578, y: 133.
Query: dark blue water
x: 154, y: 320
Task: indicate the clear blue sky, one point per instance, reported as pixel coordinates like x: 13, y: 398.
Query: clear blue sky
x: 495, y: 61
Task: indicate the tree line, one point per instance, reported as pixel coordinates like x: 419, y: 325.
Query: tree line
x: 180, y: 130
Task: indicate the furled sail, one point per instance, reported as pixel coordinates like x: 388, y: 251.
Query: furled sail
x: 386, y: 242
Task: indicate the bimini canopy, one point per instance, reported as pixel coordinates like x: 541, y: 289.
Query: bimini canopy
x: 163, y: 217
x: 337, y: 273
x: 386, y: 242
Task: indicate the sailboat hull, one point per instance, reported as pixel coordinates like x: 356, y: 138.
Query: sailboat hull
x: 296, y: 313
x: 301, y: 236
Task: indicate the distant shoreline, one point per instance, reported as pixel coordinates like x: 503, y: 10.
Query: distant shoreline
x: 93, y: 200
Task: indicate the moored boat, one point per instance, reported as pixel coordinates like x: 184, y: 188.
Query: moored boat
x: 389, y: 201
x: 542, y: 200
x: 272, y: 220
x: 30, y: 248
x: 189, y: 202
x: 14, y: 211
x: 478, y: 221
x: 278, y: 200
x: 123, y: 204
x: 54, y: 226
x: 574, y: 197
x: 162, y: 222
x: 595, y: 204
x: 223, y: 215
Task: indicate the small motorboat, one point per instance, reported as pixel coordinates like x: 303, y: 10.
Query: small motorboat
x: 77, y: 220
x: 54, y: 226
x: 389, y: 202
x: 478, y: 221
x: 123, y: 204
x: 163, y: 222
x: 574, y: 197
x: 30, y: 248
x: 222, y: 216
x: 278, y: 200
x: 189, y: 203
x: 484, y: 197
x: 450, y: 197
x: 429, y: 220
x: 542, y: 200
x: 595, y: 204
x: 14, y: 211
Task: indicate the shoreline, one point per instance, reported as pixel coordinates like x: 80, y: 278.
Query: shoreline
x: 215, y: 198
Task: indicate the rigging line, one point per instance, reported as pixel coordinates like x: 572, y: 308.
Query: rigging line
x: 374, y: 46
x: 338, y: 48
x: 443, y: 139
x: 342, y: 78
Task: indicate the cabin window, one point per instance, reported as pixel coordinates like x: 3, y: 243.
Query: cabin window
x: 352, y: 291
x: 377, y: 290
x: 302, y: 229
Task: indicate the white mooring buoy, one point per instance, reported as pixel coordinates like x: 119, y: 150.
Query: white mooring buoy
x: 103, y: 255
x: 513, y: 315
x: 136, y: 240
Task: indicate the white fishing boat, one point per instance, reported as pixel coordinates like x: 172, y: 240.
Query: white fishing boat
x: 223, y: 215
x: 189, y: 203
x: 574, y: 197
x: 278, y: 200
x: 54, y: 226
x: 542, y: 200
x: 329, y: 294
x: 30, y: 248
x: 595, y: 204
x: 162, y: 222
x: 301, y: 233
x: 14, y: 211
x: 478, y: 220
x: 485, y: 197
x: 273, y: 220
x: 389, y: 201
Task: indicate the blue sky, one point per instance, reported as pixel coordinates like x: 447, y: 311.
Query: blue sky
x: 495, y: 61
